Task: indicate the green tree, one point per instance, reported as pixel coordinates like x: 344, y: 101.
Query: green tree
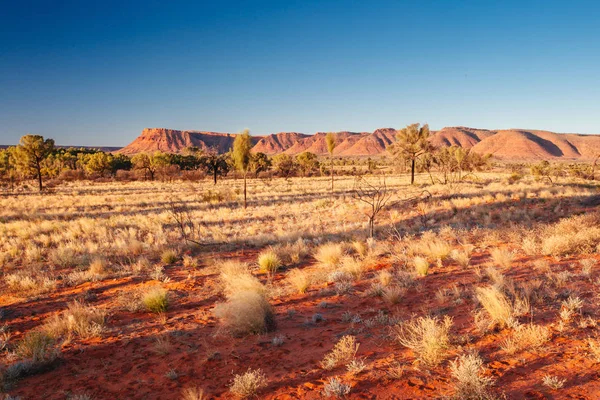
x: 241, y: 156
x: 216, y: 164
x: 7, y: 166
x: 308, y: 162
x: 30, y: 154
x: 330, y: 139
x: 259, y: 162
x: 150, y: 163
x: 284, y: 165
x: 98, y: 163
x: 411, y: 143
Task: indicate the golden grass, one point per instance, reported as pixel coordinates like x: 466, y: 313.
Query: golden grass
x: 427, y: 337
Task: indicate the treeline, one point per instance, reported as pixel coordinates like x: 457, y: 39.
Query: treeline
x: 38, y: 158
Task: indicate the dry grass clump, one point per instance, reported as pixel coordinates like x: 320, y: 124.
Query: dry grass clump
x: 502, y: 257
x: 342, y: 353
x: 330, y: 255
x: 190, y: 262
x: 29, y: 284
x: 156, y: 299
x: 594, y: 348
x: 497, y: 306
x: 469, y: 381
x: 427, y: 337
x: 37, y: 346
x: 247, y: 310
x: 292, y: 253
x: 587, y: 267
x: 353, y: 266
x: 578, y: 234
x: 526, y: 337
x: 421, y: 265
x: 248, y: 384
x: 193, y: 393
x: 78, y: 319
x: 299, y: 279
x: 461, y: 257
x: 169, y: 256
x: 393, y: 294
x: 269, y: 261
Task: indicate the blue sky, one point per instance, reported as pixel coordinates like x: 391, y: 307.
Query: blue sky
x: 90, y: 73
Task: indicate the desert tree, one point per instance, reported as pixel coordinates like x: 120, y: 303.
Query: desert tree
x: 308, y: 162
x: 330, y: 139
x: 411, y: 143
x: 377, y: 195
x: 284, y: 165
x: 150, y: 163
x: 242, y: 156
x: 30, y: 154
x: 8, y: 171
x: 259, y: 162
x: 98, y: 163
x: 216, y: 164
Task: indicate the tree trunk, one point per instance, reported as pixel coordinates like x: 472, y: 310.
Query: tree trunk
x: 215, y: 175
x: 331, y: 159
x: 412, y: 172
x: 39, y: 175
x: 245, y: 204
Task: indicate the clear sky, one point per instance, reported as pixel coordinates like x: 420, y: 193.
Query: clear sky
x: 97, y: 73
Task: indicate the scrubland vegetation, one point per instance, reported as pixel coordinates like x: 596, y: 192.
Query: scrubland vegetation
x: 485, y: 287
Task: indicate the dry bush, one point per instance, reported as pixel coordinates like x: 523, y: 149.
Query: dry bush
x: 495, y: 276
x: 330, y: 255
x: 469, y: 382
x: 78, y: 319
x: 236, y: 277
x: 587, y: 267
x: 427, y: 337
x: 342, y: 353
x: 526, y: 337
x: 299, y: 279
x: 336, y: 388
x: 269, y: 261
x: 156, y: 299
x: 497, y: 305
x: 578, y: 234
x: 421, y: 265
x: 553, y: 382
x: 594, y: 348
x: 248, y: 384
x: 502, y: 257
x: 435, y: 249
x: 292, y: 253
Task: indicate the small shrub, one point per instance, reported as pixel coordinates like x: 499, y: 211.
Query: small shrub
x: 594, y: 348
x: 469, y: 382
x: 553, y: 382
x: 156, y: 299
x: 336, y: 388
x: 461, y: 257
x: 385, y: 277
x: 393, y: 294
x: 168, y: 257
x: 269, y: 261
x: 248, y: 384
x: 427, y: 337
x: 342, y: 353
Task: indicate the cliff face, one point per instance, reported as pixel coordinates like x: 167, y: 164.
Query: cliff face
x: 512, y: 144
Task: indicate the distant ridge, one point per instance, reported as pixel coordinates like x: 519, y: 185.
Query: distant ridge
x: 509, y: 144
x: 107, y: 149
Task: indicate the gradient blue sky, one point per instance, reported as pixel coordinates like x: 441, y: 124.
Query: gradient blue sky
x: 97, y: 73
